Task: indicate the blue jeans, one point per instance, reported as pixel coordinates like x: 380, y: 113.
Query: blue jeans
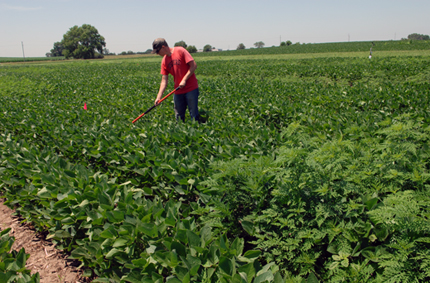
x: 189, y: 99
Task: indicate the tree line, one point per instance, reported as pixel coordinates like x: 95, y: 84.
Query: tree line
x: 85, y: 42
x: 417, y: 36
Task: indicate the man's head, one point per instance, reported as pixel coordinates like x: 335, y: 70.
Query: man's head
x: 158, y: 44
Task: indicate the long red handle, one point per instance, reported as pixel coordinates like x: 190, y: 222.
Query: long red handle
x: 155, y: 105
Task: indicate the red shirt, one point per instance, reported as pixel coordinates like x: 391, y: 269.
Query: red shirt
x: 177, y: 65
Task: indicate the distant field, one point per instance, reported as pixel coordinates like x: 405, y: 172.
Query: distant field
x: 354, y: 49
x: 29, y: 59
x: 339, y: 47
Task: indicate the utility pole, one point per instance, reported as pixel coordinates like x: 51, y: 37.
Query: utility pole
x: 23, y: 55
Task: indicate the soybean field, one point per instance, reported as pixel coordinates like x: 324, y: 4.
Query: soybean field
x: 301, y: 170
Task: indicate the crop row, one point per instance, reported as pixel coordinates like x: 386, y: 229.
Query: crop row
x: 12, y: 263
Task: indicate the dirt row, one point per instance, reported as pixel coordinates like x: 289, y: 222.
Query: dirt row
x: 52, y: 264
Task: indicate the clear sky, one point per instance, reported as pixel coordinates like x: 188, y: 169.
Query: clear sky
x: 133, y: 24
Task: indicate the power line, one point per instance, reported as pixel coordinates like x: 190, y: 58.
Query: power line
x: 23, y: 55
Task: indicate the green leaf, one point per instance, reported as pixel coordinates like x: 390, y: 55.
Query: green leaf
x: 333, y: 265
x: 266, y: 276
x: 238, y: 279
x: 181, y: 272
x: 182, y: 236
x: 112, y: 253
x: 68, y: 221
x: 237, y: 246
x: 381, y: 233
x: 21, y: 258
x: 7, y: 277
x: 173, y: 280
x: 60, y: 234
x: 79, y: 253
x: 85, y: 202
x: 120, y: 242
x: 141, y: 262
x: 169, y: 259
x: 278, y: 278
x: 251, y: 255
x: 69, y: 173
x: 193, y: 264
x: 105, y: 201
x: 186, y: 278
x: 108, y: 234
x: 115, y: 216
x: 134, y: 277
x: 370, y: 204
x: 205, y: 235
x: 148, y: 228
x: 44, y: 193
x: 48, y: 179
x: 226, y: 265
x: 193, y: 239
x: 345, y: 262
x: 312, y: 278
x: 369, y: 253
x: 249, y: 270
x: 179, y: 248
x: 248, y: 227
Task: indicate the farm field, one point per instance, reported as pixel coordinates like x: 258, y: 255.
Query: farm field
x: 307, y: 168
x: 27, y: 60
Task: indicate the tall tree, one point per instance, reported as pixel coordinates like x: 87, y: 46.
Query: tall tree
x: 207, y: 48
x: 83, y: 42
x: 240, y: 46
x: 191, y: 49
x: 181, y: 43
x: 259, y: 44
x: 57, y: 50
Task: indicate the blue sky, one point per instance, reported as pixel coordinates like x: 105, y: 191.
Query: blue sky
x: 133, y: 25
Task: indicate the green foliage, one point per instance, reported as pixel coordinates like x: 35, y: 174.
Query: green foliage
x: 259, y: 44
x: 341, y: 209
x: 306, y: 169
x: 82, y: 42
x: 416, y: 36
x: 181, y: 43
x: 207, y: 48
x: 191, y: 49
x: 12, y: 263
x: 57, y: 50
x: 240, y: 46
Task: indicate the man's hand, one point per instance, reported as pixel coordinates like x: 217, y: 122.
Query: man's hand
x: 192, y: 67
x: 182, y: 83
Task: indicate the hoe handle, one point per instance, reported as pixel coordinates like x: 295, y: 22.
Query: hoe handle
x: 155, y: 105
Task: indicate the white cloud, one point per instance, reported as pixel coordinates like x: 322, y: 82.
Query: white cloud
x: 19, y: 8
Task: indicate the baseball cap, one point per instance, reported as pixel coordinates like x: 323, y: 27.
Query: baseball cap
x: 157, y: 44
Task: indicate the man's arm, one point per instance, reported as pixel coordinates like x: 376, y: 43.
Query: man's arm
x: 163, y: 85
x: 192, y: 67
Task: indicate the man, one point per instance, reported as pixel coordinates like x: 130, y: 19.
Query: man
x: 178, y: 62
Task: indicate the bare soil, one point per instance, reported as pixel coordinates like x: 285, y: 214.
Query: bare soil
x: 52, y: 264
